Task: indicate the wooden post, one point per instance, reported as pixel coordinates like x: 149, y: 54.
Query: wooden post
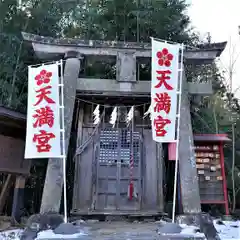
x: 78, y: 158
x: 5, y: 191
x: 18, y: 198
x: 52, y: 191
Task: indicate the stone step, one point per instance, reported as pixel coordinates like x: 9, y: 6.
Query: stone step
x: 180, y: 237
x: 133, y: 237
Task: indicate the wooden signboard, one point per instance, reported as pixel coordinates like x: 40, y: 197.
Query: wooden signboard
x: 210, y: 167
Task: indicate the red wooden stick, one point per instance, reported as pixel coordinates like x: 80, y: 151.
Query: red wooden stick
x: 131, y: 186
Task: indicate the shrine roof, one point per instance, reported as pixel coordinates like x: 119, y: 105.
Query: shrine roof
x: 9, y: 113
x: 213, y: 46
x: 12, y: 123
x: 211, y: 137
x: 75, y: 43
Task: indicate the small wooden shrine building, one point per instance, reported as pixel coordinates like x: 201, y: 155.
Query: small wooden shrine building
x: 13, y: 166
x: 12, y: 141
x: 102, y: 154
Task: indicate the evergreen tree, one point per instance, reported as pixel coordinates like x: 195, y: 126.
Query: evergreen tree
x: 41, y: 17
x: 132, y: 20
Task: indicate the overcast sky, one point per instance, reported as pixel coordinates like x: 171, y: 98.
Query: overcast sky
x: 221, y: 18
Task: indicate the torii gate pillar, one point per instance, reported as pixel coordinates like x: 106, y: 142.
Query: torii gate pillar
x: 187, y: 163
x: 52, y: 192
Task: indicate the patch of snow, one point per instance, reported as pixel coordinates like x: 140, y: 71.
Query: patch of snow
x: 11, y: 234
x: 49, y: 234
x: 228, y: 230
x: 191, y: 230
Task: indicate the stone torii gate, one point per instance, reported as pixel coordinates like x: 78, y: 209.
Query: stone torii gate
x: 125, y: 84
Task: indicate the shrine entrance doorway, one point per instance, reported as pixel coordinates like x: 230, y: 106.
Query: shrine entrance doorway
x: 113, y: 171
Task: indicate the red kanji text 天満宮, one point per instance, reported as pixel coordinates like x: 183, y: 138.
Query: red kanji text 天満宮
x: 43, y: 116
x: 42, y: 140
x: 43, y: 95
x: 43, y: 77
x: 162, y: 102
x: 163, y: 77
x: 164, y: 58
x: 160, y: 123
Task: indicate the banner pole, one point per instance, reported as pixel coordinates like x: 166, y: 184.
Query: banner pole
x: 63, y: 145
x: 178, y: 136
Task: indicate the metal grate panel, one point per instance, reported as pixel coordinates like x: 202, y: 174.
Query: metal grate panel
x: 115, y: 145
x: 108, y: 146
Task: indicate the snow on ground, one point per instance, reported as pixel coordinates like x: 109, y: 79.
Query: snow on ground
x: 190, y: 230
x: 11, y: 234
x: 49, y: 234
x: 228, y: 230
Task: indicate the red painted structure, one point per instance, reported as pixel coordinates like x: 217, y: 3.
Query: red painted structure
x: 209, y: 140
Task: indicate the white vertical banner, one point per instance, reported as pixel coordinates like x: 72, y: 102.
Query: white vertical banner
x: 43, y: 119
x: 164, y: 90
